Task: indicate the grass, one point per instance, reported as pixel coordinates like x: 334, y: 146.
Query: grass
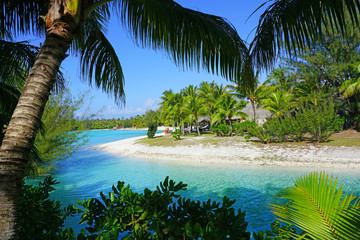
x: 348, y: 138
x: 206, y: 139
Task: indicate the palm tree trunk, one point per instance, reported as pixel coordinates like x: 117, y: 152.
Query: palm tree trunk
x: 22, y: 129
x: 231, y: 129
x: 254, y: 110
x: 182, y: 127
x: 197, y: 127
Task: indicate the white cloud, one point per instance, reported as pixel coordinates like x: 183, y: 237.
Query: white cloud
x: 151, y: 103
x: 113, y: 111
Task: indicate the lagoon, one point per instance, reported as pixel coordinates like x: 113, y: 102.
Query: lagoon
x: 88, y: 171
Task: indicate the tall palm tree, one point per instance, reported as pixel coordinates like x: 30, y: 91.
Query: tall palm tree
x: 227, y: 108
x: 194, y: 107
x: 189, y: 37
x: 255, y: 94
x: 211, y: 93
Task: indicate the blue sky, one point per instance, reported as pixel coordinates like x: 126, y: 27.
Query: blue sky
x: 148, y: 73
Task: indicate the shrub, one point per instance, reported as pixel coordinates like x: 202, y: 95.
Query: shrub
x: 176, y: 134
x: 159, y: 214
x: 243, y: 127
x: 39, y: 217
x: 152, y: 127
x: 321, y: 120
x: 221, y: 130
x: 260, y: 133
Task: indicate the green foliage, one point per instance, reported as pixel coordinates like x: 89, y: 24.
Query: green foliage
x: 247, y: 137
x: 277, y: 232
x: 149, y: 117
x: 320, y: 208
x: 259, y: 132
x: 57, y: 141
x: 159, y: 214
x: 176, y: 134
x: 221, y: 130
x: 152, y: 128
x: 243, y: 127
x: 39, y: 217
x: 320, y: 121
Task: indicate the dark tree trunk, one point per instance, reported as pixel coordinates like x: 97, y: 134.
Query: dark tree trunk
x: 22, y: 129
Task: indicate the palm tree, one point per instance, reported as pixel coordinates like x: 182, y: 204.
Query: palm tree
x: 293, y: 24
x: 189, y: 37
x: 279, y: 102
x: 255, y: 94
x: 320, y: 208
x: 193, y: 107
x: 227, y: 108
x: 211, y: 93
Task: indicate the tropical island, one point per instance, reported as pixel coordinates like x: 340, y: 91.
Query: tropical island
x: 233, y: 161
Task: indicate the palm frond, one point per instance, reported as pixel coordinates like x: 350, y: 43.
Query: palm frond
x: 297, y: 23
x: 320, y: 209
x: 350, y: 87
x: 8, y: 99
x: 99, y: 62
x: 191, y: 38
x: 22, y: 16
x: 16, y: 59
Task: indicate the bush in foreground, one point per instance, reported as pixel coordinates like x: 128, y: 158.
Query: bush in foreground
x: 163, y: 214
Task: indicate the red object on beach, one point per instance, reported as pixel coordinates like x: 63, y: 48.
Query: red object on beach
x: 167, y: 130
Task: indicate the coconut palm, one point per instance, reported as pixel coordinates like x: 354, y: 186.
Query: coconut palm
x: 255, y: 94
x: 227, y: 108
x: 293, y: 24
x: 211, y: 93
x: 320, y: 208
x: 350, y: 87
x: 279, y: 102
x: 189, y: 37
x: 194, y: 107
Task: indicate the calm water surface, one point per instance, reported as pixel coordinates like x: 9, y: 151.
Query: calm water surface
x: 88, y: 172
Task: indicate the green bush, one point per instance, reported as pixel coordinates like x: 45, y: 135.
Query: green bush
x: 221, y: 130
x: 321, y: 120
x: 280, y: 232
x: 243, y: 127
x: 260, y: 133
x: 176, y: 134
x: 152, y: 128
x: 39, y: 217
x: 159, y: 214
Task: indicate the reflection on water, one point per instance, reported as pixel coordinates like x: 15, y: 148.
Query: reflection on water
x: 88, y: 172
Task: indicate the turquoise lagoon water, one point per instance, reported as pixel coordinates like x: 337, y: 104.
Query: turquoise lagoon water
x: 89, y: 171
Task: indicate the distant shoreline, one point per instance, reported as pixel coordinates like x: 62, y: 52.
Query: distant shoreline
x: 241, y: 153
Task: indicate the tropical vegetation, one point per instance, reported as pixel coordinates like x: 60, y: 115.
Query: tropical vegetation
x: 317, y: 207
x: 204, y: 41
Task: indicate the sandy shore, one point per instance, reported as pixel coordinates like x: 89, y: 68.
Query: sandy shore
x: 235, y: 152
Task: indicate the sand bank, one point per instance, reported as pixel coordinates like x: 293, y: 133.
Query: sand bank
x: 235, y: 152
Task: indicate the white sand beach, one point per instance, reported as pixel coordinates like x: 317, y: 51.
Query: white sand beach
x: 237, y: 152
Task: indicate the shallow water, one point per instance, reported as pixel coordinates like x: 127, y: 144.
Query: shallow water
x: 88, y: 172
